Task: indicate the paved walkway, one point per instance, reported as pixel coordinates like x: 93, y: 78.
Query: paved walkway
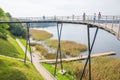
x: 44, y: 73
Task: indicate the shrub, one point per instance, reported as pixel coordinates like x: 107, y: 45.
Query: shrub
x: 50, y: 56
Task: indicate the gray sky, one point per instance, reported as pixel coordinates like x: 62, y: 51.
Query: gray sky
x: 32, y: 8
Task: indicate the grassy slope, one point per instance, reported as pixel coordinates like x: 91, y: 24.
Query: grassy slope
x: 16, y: 70
x: 58, y: 75
x: 11, y: 69
x: 10, y: 47
x: 23, y: 41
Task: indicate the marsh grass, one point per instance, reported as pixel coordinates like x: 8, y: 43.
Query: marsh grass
x: 103, y: 68
x: 40, y: 34
x: 68, y: 47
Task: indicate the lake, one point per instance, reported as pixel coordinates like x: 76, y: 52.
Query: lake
x: 105, y: 42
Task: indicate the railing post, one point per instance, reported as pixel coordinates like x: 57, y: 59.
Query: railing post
x: 73, y: 16
x: 88, y: 19
x: 112, y: 22
x: 106, y: 22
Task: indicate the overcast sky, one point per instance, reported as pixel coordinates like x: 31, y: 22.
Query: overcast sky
x: 32, y: 8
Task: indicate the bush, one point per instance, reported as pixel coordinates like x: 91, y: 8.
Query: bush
x: 50, y: 56
x: 18, y: 30
x: 3, y: 36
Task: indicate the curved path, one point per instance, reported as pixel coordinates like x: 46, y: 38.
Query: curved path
x: 45, y: 74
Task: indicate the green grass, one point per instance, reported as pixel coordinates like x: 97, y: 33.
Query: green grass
x: 68, y: 47
x: 23, y: 41
x: 10, y: 47
x: 59, y: 76
x: 11, y: 69
x: 40, y: 34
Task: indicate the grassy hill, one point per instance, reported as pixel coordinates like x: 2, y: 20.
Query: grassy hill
x: 11, y: 69
x: 10, y: 48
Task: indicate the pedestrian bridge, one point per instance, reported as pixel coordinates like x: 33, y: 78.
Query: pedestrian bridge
x: 109, y: 23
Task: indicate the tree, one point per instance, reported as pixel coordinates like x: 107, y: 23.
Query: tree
x: 16, y: 29
x: 3, y: 27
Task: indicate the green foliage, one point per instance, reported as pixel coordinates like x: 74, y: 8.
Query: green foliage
x: 40, y: 34
x: 10, y: 47
x: 3, y: 27
x: 17, y: 30
x: 68, y: 47
x: 11, y: 69
x: 2, y: 14
x: 23, y: 41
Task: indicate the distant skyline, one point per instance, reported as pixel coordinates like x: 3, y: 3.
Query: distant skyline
x: 36, y: 8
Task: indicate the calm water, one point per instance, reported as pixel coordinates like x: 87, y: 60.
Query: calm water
x: 105, y: 42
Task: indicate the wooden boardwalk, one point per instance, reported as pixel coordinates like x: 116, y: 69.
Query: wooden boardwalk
x: 79, y: 57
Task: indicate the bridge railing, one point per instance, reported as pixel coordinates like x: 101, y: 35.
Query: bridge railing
x: 88, y: 18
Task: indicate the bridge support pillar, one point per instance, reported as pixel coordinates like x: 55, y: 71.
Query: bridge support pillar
x: 59, y: 31
x: 27, y: 43
x: 119, y: 31
x: 90, y: 47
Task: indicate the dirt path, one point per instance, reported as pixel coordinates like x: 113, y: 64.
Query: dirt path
x: 45, y: 74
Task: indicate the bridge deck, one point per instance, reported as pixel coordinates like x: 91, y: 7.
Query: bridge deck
x: 78, y: 57
x: 109, y: 23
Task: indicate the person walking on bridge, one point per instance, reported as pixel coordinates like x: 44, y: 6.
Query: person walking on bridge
x: 94, y: 19
x: 84, y: 16
x: 99, y: 17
